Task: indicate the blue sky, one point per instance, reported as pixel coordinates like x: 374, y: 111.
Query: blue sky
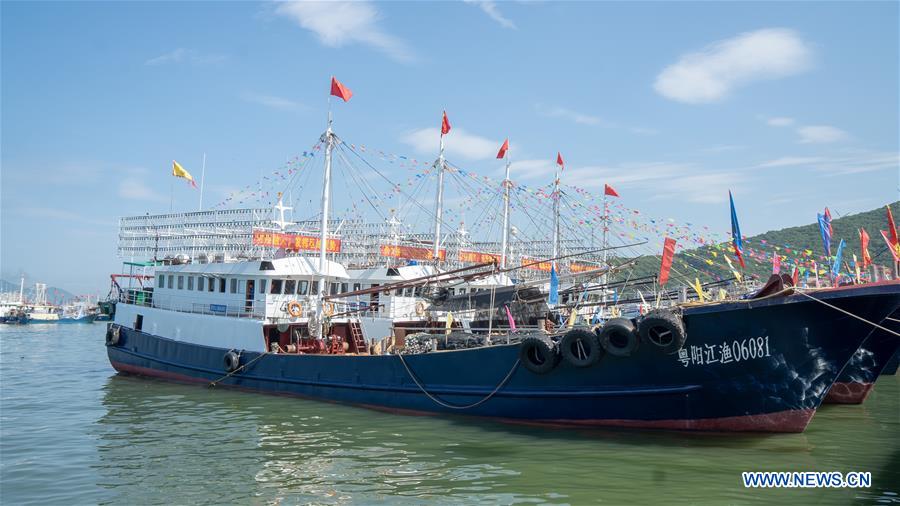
x: 793, y: 106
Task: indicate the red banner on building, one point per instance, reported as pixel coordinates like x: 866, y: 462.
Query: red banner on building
x: 579, y: 267
x: 410, y: 252
x: 478, y: 257
x: 535, y: 264
x: 294, y: 242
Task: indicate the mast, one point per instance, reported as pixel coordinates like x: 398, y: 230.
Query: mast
x: 605, y: 255
x: 556, y: 215
x: 504, y: 248
x: 22, y: 290
x: 439, y: 203
x: 328, y: 137
x: 202, y: 179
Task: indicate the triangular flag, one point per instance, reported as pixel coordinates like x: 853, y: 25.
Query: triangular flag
x: 559, y: 160
x: 339, y: 90
x: 864, y: 248
x: 503, y: 149
x: 736, y: 233
x: 609, y: 190
x: 892, y: 231
x: 445, y: 125
x: 699, y: 289
x: 178, y: 171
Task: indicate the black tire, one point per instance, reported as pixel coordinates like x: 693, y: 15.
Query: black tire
x: 538, y: 354
x: 618, y: 337
x: 664, y: 329
x: 113, y: 335
x: 232, y: 361
x: 581, y: 348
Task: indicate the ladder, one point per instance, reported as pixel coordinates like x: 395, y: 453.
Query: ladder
x: 356, y: 337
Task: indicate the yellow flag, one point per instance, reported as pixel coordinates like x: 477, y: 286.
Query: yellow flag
x: 178, y: 171
x: 737, y: 275
x: 699, y: 289
x: 449, y: 322
x: 572, y: 318
x: 722, y: 294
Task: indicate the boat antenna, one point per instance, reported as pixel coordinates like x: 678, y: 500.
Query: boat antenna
x: 440, y: 165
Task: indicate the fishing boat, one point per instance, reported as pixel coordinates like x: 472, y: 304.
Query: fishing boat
x: 278, y: 326
x: 870, y: 361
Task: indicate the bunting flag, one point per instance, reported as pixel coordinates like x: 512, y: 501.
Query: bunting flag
x: 445, y: 125
x: 559, y: 161
x: 736, y: 233
x: 503, y: 149
x: 737, y: 275
x: 178, y: 171
x: 864, y: 248
x: 609, y: 190
x: 836, y: 267
x: 510, y: 319
x: 339, y: 90
x: 795, y: 276
x: 666, y: 265
x: 553, y: 298
x: 776, y: 264
x: 825, y: 230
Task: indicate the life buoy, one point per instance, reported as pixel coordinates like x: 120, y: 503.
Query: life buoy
x: 295, y: 309
x: 581, y: 348
x: 420, y: 308
x: 328, y: 307
x: 618, y: 337
x: 232, y: 361
x: 664, y: 329
x: 112, y: 334
x: 538, y: 354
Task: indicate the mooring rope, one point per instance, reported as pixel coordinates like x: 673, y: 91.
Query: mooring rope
x: 848, y: 313
x: 453, y: 406
x: 239, y: 369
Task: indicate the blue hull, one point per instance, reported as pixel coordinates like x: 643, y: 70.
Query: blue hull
x: 61, y: 321
x: 893, y: 363
x: 789, y: 352
x: 870, y: 361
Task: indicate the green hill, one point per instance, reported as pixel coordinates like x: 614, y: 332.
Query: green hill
x: 793, y: 245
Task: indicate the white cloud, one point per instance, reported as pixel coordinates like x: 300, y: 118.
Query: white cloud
x: 182, y: 55
x: 711, y: 74
x: 821, y: 134
x: 853, y: 162
x: 568, y: 114
x: 457, y: 143
x: 780, y: 121
x: 135, y: 189
x: 272, y: 101
x: 490, y: 8
x: 340, y: 23
x: 643, y: 131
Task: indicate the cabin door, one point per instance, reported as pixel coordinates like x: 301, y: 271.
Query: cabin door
x: 248, y: 298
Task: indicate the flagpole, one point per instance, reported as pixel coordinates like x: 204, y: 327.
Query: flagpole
x: 556, y: 216
x: 504, y: 249
x: 323, y: 238
x: 172, y: 197
x: 202, y: 177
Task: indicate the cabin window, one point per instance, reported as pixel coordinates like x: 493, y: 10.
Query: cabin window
x: 212, y: 284
x: 418, y: 291
x: 190, y: 283
x: 262, y: 286
x: 234, y: 283
x: 171, y: 281
x: 276, y: 287
x: 162, y: 282
x: 334, y: 288
x: 139, y: 322
x: 303, y: 288
x: 343, y: 287
x: 462, y: 291
x: 398, y: 292
x: 408, y: 291
x: 314, y: 288
x: 181, y: 282
x: 221, y: 285
x: 200, y: 281
x: 290, y: 286
x: 356, y: 286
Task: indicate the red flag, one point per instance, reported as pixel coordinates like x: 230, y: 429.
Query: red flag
x: 891, y: 246
x: 795, y: 276
x: 609, y: 190
x: 892, y: 231
x: 559, y: 160
x: 339, y: 90
x: 667, y: 257
x: 828, y: 218
x: 503, y: 149
x: 864, y: 248
x: 445, y: 125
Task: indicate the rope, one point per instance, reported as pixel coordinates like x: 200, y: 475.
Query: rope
x: 452, y: 406
x: 848, y: 313
x: 239, y: 369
